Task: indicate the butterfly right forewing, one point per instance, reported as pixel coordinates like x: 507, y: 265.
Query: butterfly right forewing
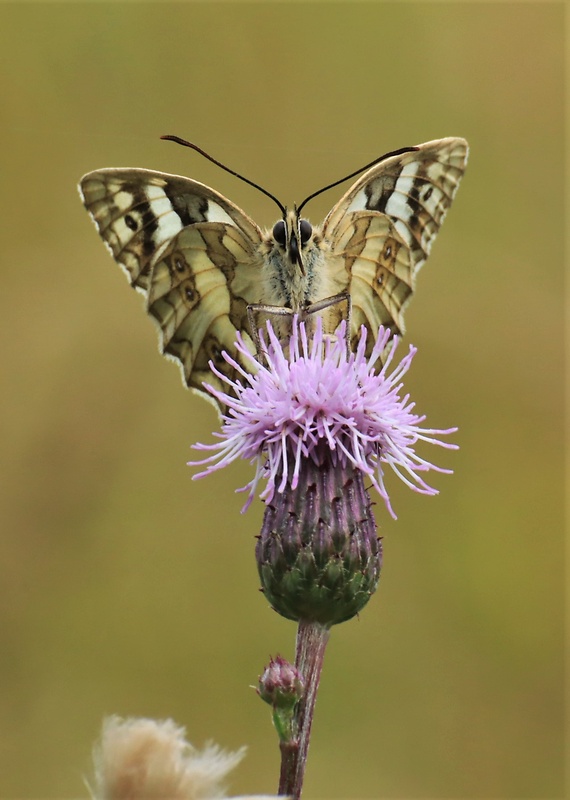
x: 382, y: 230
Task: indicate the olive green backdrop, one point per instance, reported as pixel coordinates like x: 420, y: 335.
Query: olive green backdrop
x: 128, y: 588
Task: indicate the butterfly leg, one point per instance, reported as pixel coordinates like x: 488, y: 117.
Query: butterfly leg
x: 330, y: 324
x: 257, y: 322
x: 335, y: 319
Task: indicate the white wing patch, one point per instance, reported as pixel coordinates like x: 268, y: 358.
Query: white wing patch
x: 169, y: 223
x: 397, y: 205
x: 217, y: 214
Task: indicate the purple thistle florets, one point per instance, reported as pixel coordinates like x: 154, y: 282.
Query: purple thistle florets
x: 317, y: 394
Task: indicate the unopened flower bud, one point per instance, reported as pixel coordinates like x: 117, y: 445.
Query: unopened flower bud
x: 281, y: 684
x: 318, y: 555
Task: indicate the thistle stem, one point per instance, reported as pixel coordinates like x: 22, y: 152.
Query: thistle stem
x: 312, y: 638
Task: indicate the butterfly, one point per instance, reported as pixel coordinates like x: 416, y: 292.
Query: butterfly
x: 207, y: 270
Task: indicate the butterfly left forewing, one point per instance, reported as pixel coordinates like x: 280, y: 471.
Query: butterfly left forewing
x: 138, y: 211
x: 190, y: 251
x: 381, y: 231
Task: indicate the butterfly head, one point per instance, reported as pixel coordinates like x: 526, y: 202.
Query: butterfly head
x: 292, y: 235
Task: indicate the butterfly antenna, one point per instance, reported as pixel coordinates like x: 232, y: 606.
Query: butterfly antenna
x: 356, y: 172
x: 178, y: 140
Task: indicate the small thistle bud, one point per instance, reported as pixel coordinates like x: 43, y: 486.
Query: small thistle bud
x: 318, y: 555
x: 281, y: 684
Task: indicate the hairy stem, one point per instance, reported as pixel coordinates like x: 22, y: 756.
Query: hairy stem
x: 312, y: 638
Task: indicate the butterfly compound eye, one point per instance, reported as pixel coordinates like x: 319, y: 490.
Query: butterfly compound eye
x: 305, y: 230
x: 279, y: 233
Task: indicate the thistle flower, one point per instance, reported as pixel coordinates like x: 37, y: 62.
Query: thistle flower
x: 316, y: 422
x: 319, y: 396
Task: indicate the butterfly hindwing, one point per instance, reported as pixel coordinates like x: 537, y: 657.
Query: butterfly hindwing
x: 378, y: 270
x: 199, y: 292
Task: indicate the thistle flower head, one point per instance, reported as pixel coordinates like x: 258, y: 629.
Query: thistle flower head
x: 313, y: 396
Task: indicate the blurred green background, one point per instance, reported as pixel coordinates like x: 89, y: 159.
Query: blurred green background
x: 127, y: 588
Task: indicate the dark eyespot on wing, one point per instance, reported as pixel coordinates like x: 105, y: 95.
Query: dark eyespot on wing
x: 149, y: 222
x: 214, y: 350
x: 190, y: 294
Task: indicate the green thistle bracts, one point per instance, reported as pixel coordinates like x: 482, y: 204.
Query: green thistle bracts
x: 318, y: 555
